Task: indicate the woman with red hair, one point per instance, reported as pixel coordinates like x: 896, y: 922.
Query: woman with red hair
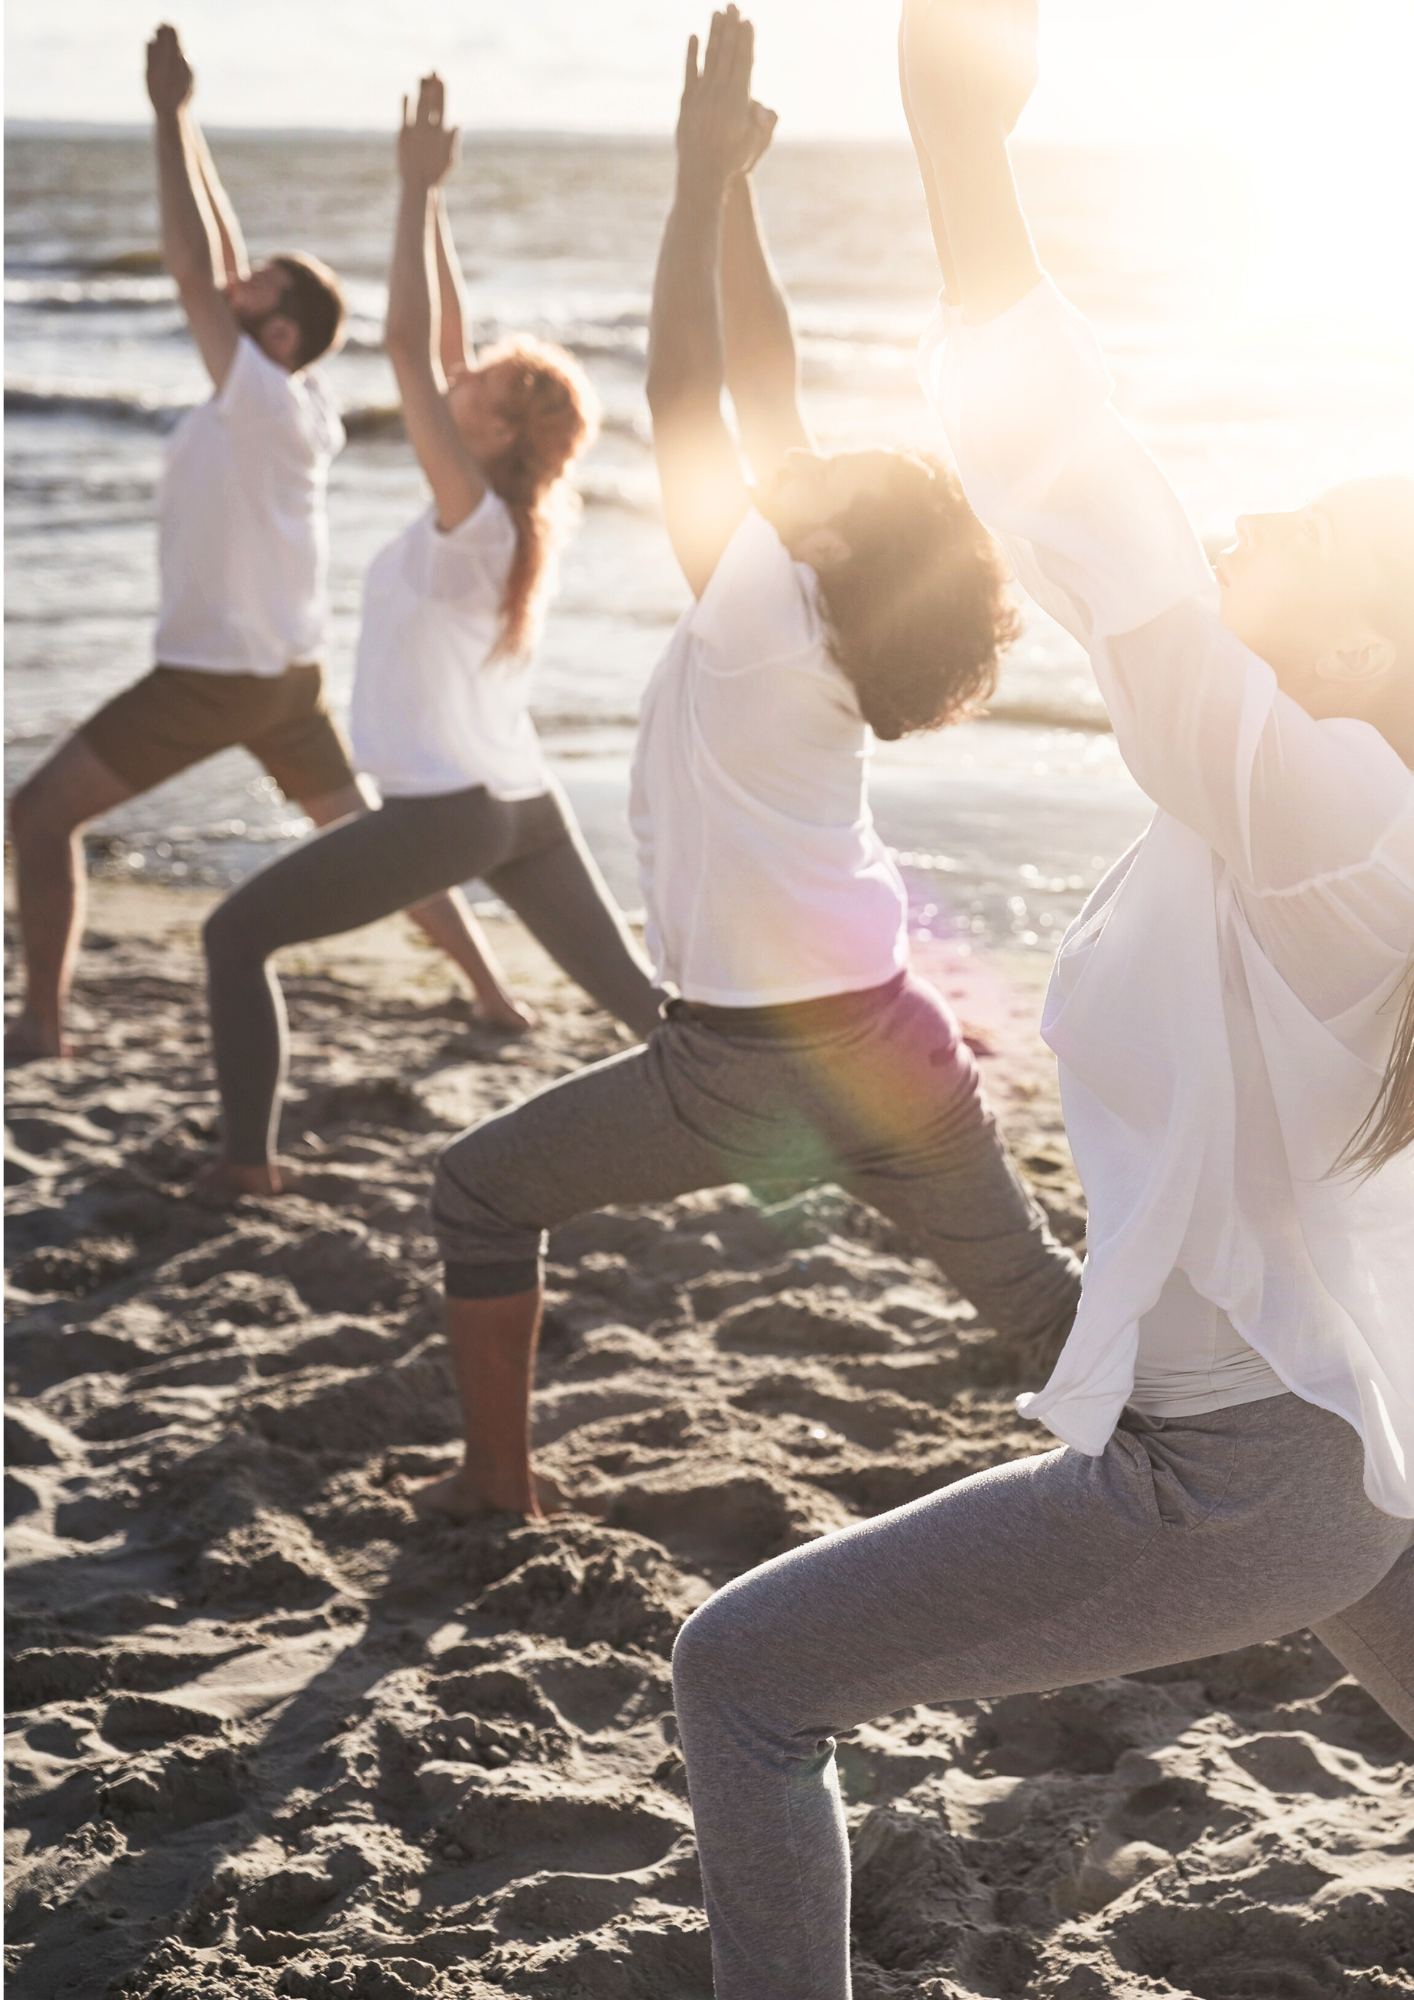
x: 451, y: 614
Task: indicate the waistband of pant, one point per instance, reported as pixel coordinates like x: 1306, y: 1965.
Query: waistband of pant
x: 797, y: 1020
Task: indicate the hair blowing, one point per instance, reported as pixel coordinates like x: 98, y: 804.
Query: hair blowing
x: 1388, y: 1126
x: 555, y: 413
x: 314, y: 300
x: 919, y: 612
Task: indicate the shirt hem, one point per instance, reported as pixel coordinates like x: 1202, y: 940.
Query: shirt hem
x: 1203, y: 1402
x: 507, y: 794
x: 787, y: 996
x: 167, y: 658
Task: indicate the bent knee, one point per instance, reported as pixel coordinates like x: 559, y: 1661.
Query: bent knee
x: 220, y: 934
x: 477, y: 1209
x: 39, y: 810
x: 455, y: 1176
x: 233, y: 937
x: 712, y: 1650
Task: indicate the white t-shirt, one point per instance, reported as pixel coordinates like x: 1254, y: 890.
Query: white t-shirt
x: 1224, y: 1006
x: 431, y: 711
x: 763, y: 877
x: 243, y: 536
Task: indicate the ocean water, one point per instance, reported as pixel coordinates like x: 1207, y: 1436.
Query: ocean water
x: 1001, y: 824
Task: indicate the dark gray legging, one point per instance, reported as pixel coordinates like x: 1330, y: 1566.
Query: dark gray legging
x: 529, y: 851
x: 1186, y: 1536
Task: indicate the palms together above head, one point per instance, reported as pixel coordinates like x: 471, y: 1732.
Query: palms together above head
x: 722, y: 131
x: 170, y: 81
x: 426, y: 146
x: 763, y: 123
x: 967, y: 63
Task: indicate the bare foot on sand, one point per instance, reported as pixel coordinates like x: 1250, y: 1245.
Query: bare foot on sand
x: 457, y: 1497
x: 224, y: 1181
x: 26, y: 1041
x: 504, y: 1014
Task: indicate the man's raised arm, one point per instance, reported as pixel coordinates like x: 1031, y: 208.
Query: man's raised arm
x: 234, y: 260
x: 967, y: 68
x: 704, y: 492
x: 191, y: 241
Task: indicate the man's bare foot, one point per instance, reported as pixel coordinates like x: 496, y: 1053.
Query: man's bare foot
x: 26, y: 1041
x: 505, y: 1014
x: 225, y: 1181
x: 458, y: 1497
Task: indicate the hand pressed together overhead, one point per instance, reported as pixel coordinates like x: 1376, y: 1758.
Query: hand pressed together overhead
x: 722, y: 131
x: 427, y: 149
x: 170, y: 79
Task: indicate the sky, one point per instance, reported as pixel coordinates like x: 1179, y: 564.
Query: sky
x: 1112, y: 69
x: 1307, y: 100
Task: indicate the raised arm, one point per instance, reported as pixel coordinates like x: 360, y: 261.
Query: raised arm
x: 451, y: 297
x: 704, y: 491
x: 1095, y: 531
x: 762, y: 370
x: 234, y: 261
x: 930, y: 186
x: 411, y: 335
x: 967, y: 68
x: 192, y: 247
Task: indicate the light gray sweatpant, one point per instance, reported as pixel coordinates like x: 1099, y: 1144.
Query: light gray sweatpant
x: 883, y: 1099
x: 1187, y: 1536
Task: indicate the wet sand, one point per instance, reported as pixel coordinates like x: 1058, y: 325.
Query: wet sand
x: 270, y: 1734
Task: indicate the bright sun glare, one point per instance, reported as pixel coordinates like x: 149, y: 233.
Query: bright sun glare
x: 1309, y: 102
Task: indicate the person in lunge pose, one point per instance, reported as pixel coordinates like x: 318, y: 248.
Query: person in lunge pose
x: 1234, y: 1017
x: 244, y: 620
x: 450, y: 618
x: 857, y: 589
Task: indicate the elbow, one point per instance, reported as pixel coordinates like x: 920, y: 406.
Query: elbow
x: 187, y: 272
x: 763, y: 375
x: 670, y: 388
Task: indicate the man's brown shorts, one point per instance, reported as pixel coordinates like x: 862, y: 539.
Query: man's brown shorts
x: 176, y: 716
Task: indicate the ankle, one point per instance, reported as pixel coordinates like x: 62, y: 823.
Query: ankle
x: 35, y: 1033
x: 500, y: 1488
x: 233, y: 1177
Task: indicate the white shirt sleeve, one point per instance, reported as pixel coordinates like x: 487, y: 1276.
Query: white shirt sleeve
x: 257, y: 389
x: 1100, y: 539
x: 754, y: 608
x: 471, y: 562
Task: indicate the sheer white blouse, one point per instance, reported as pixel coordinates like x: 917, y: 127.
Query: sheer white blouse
x: 1224, y: 1006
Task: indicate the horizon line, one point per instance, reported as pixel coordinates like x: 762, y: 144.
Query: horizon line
x: 21, y: 127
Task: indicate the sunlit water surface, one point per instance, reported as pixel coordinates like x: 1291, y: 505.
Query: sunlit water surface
x: 1003, y: 824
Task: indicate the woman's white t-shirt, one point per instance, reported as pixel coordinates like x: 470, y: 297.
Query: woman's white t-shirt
x: 243, y: 537
x: 763, y: 877
x: 432, y: 712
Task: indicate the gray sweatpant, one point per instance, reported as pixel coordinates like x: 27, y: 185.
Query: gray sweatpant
x: 529, y: 851
x: 1187, y: 1536
x: 888, y: 1105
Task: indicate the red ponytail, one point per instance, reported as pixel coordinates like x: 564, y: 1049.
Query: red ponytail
x: 549, y: 400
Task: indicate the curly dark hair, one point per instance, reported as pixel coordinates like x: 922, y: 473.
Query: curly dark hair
x: 919, y: 613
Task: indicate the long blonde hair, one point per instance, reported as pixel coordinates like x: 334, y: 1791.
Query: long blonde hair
x: 1388, y: 1126
x: 551, y: 403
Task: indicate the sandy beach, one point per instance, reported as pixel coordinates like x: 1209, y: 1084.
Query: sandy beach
x: 271, y: 1734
